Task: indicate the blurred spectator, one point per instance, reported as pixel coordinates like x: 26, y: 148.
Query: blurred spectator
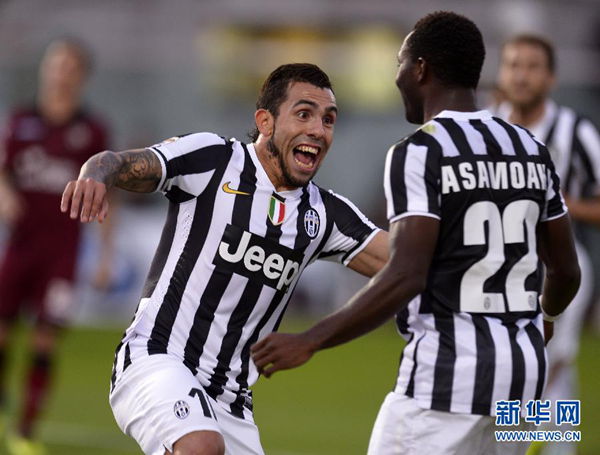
x: 526, y: 78
x: 43, y: 147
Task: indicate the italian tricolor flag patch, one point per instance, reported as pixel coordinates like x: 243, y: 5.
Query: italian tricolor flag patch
x: 276, y: 209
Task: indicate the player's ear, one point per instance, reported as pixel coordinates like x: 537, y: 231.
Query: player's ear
x: 264, y: 122
x: 421, y: 69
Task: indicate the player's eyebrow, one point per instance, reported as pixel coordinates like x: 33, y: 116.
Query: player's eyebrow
x: 315, y: 105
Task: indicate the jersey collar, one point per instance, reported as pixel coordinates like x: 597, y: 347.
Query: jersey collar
x: 456, y: 115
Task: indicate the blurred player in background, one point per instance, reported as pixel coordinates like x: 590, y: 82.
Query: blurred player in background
x: 471, y: 201
x: 43, y: 147
x: 244, y: 220
x: 526, y: 78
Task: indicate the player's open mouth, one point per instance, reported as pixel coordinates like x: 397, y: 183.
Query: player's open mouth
x: 306, y: 155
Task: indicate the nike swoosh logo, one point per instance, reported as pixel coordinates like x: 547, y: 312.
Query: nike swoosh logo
x: 230, y: 190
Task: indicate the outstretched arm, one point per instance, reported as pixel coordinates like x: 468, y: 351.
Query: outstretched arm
x: 412, y: 245
x: 373, y: 257
x: 133, y: 170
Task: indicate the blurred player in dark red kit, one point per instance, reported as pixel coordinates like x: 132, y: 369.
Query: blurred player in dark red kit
x: 43, y: 147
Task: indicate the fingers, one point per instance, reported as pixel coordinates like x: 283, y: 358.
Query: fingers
x: 103, y: 211
x: 76, y: 199
x: 97, y: 203
x: 261, y: 349
x: 263, y: 356
x: 260, y: 344
x: 66, y: 197
x: 87, y: 199
x: 268, y: 372
x: 267, y: 366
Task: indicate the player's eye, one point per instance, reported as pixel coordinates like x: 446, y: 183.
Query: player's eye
x: 329, y: 120
x: 303, y: 114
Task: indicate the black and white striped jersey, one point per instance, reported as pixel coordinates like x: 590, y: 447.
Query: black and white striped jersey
x: 231, y: 252
x: 574, y: 145
x: 475, y: 334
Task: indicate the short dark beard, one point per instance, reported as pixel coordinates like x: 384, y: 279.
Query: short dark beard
x: 288, y: 178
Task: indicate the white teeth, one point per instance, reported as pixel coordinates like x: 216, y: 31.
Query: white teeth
x: 301, y: 164
x: 308, y: 149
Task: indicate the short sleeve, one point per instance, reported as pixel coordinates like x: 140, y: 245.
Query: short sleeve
x: 350, y: 232
x: 586, y: 143
x: 188, y: 163
x: 554, y: 204
x: 412, y: 181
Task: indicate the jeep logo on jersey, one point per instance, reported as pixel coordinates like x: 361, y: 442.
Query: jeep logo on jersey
x: 311, y: 223
x: 257, y: 258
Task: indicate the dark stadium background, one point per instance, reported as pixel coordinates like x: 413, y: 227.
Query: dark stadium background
x: 164, y: 68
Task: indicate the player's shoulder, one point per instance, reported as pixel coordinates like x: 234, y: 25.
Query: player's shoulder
x: 517, y: 127
x: 193, y: 141
x: 331, y: 199
x: 426, y: 139
x: 315, y: 189
x: 317, y: 192
x: 581, y: 120
x: 526, y: 137
x: 575, y: 117
x: 562, y: 110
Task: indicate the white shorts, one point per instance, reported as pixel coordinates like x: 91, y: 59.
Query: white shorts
x: 158, y: 400
x: 404, y: 428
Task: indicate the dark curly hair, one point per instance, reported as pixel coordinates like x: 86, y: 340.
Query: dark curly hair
x: 452, y: 45
x: 274, y: 90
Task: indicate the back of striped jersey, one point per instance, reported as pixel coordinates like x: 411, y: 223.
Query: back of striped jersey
x: 474, y: 335
x: 490, y: 183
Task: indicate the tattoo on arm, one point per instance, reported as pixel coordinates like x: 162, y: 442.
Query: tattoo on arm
x: 133, y: 170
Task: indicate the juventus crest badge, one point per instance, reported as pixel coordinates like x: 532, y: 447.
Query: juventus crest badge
x: 311, y: 223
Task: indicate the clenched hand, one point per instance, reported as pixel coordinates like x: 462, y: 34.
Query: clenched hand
x: 281, y: 351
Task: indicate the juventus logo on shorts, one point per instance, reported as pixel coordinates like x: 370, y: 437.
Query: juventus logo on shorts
x: 181, y: 409
x: 311, y: 223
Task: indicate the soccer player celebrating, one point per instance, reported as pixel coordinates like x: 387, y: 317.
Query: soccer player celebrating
x: 41, y: 149
x: 473, y: 203
x: 526, y: 78
x: 243, y: 222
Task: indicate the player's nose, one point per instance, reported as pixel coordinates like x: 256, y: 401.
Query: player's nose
x: 316, y: 129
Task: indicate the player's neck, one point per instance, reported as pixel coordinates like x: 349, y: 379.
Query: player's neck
x: 57, y: 109
x: 444, y: 99
x: 271, y: 165
x: 527, y: 116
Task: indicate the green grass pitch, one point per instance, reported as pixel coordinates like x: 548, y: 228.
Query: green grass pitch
x: 326, y: 407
